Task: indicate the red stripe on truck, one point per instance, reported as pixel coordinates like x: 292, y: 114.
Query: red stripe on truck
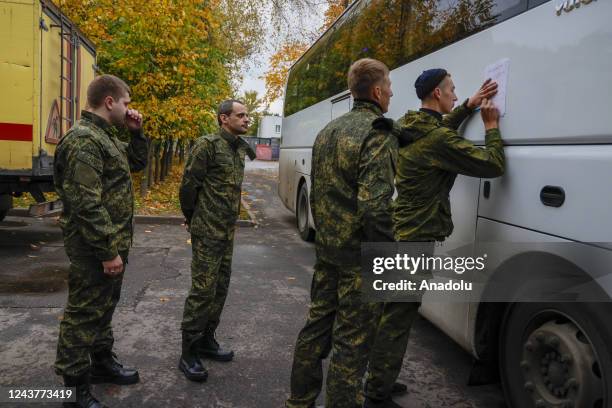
x: 15, y: 131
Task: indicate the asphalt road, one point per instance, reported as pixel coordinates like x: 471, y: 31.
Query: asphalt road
x: 265, y: 309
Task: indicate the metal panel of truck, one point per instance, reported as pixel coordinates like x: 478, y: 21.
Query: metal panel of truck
x: 17, y: 62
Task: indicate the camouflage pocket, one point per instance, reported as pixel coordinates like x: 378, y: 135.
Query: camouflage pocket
x: 85, y: 174
x: 90, y: 159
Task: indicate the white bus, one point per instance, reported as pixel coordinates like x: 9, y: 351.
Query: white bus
x: 558, y: 135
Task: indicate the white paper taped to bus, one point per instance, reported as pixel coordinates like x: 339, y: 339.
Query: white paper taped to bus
x: 498, y: 72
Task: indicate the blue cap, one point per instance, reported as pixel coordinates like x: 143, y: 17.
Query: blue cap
x: 428, y: 81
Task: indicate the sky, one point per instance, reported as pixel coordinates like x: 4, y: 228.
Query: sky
x: 251, y: 80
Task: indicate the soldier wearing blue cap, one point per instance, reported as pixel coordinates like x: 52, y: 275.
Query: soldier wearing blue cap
x: 431, y: 155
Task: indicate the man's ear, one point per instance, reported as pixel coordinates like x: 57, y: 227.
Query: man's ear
x: 377, y: 92
x: 108, y: 102
x: 437, y: 93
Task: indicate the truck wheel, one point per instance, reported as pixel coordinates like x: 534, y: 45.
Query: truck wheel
x: 557, y: 355
x: 303, y: 215
x: 6, y: 203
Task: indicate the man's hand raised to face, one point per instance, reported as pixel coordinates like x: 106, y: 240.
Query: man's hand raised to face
x: 133, y: 120
x: 486, y: 91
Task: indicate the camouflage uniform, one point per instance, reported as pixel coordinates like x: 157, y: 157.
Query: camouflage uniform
x: 352, y: 186
x: 426, y: 172
x: 92, y: 178
x: 210, y: 200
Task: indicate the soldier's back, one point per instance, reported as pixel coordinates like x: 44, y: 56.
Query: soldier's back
x: 335, y: 173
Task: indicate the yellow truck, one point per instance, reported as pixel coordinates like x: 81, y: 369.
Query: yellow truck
x: 46, y: 64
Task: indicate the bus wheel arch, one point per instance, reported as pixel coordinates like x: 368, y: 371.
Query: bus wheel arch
x: 302, y: 212
x: 505, y: 341
x: 556, y: 354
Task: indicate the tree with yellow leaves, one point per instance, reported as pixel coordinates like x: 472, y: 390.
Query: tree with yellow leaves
x: 179, y: 58
x: 291, y: 50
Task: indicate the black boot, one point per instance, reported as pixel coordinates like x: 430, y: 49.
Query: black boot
x: 398, y: 388
x: 388, y: 403
x: 190, y: 363
x: 105, y: 368
x: 208, y: 347
x: 84, y: 399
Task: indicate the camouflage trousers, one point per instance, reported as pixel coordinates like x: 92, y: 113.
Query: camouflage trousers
x: 86, y: 327
x: 389, y: 348
x: 392, y: 335
x: 211, y: 269
x: 340, y: 322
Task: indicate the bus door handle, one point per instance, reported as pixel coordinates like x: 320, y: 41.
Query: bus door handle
x: 552, y: 196
x: 486, y: 189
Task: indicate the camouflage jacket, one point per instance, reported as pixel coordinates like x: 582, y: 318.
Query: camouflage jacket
x: 92, y: 178
x: 427, y: 168
x: 352, y: 183
x: 211, y: 186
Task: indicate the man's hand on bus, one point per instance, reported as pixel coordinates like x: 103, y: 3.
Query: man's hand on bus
x: 490, y: 114
x: 114, y: 266
x: 133, y: 119
x: 486, y: 91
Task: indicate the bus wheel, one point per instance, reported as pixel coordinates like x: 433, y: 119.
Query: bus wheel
x: 3, y: 214
x: 557, y: 355
x: 303, y: 214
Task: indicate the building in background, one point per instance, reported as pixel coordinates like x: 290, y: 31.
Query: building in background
x: 270, y: 127
x: 267, y: 142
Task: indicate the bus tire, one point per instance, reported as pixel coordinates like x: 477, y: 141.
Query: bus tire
x: 557, y: 355
x: 302, y: 215
x: 3, y: 214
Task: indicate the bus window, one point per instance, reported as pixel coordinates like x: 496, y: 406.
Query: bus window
x: 535, y: 3
x: 392, y: 31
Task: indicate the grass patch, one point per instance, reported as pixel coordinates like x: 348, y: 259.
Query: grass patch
x: 162, y: 198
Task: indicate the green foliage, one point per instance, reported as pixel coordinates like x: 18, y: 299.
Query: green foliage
x: 178, y: 56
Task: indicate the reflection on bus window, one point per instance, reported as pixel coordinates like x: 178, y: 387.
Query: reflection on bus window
x: 393, y: 31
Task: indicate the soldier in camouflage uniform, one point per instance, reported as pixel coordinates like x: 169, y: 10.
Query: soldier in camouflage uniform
x: 352, y: 187
x: 92, y: 178
x: 426, y: 171
x: 210, y: 200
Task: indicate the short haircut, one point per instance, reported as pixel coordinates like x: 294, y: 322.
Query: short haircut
x: 226, y: 108
x: 365, y: 74
x: 103, y: 86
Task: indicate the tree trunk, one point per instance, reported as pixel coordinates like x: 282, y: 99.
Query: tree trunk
x: 182, y: 152
x: 157, y: 152
x: 171, y: 153
x: 150, y: 165
x: 162, y: 169
x: 145, y: 179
